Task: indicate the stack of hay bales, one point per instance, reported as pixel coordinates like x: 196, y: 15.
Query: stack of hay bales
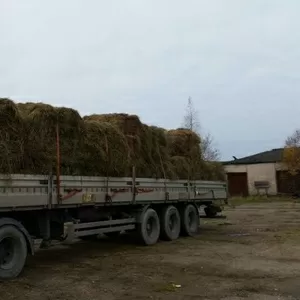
x: 95, y: 145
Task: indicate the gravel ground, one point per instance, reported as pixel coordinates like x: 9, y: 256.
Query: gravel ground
x: 253, y: 254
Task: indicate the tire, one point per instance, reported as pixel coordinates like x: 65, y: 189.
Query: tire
x: 13, y: 252
x: 149, y: 227
x: 189, y: 220
x: 170, y: 223
x: 210, y: 212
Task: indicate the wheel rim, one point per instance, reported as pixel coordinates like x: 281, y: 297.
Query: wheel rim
x: 7, y: 253
x: 150, y: 226
x: 172, y: 222
x: 192, y: 221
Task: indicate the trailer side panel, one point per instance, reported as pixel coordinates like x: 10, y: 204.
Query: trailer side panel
x: 39, y: 192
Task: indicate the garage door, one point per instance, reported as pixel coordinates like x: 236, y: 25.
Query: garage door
x: 237, y: 184
x: 286, y: 183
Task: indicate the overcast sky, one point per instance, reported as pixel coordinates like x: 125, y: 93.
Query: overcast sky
x: 238, y: 60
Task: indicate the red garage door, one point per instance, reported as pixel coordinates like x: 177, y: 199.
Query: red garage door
x: 237, y: 184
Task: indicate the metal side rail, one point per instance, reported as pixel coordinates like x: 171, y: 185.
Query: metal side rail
x: 73, y: 230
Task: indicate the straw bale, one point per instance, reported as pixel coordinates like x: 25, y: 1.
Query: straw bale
x: 183, y: 141
x: 129, y: 124
x: 138, y: 139
x: 185, y: 151
x: 105, y: 150
x: 11, y: 137
x: 180, y: 167
x: 41, y: 124
x: 155, y: 151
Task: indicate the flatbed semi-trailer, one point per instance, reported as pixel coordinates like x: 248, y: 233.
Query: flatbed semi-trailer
x: 41, y: 207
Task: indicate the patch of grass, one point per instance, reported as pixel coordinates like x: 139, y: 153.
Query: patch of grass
x: 166, y: 288
x: 292, y: 233
x: 225, y: 223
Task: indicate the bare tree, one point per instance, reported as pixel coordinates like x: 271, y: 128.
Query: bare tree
x: 191, y: 117
x: 191, y: 121
x: 294, y: 139
x: 209, y: 151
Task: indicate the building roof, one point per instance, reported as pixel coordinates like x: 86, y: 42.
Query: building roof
x: 271, y: 156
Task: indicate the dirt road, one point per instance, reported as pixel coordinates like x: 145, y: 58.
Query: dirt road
x: 253, y: 254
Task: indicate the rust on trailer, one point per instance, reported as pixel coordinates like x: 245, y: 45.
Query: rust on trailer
x: 144, y: 190
x: 71, y: 193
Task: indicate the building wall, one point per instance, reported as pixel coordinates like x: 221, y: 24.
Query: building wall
x: 257, y: 172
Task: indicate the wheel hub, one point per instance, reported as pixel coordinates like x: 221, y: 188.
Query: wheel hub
x: 149, y: 226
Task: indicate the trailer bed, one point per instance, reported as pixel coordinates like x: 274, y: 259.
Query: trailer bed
x: 21, y: 192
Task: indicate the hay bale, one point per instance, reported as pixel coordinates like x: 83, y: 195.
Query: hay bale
x: 9, y: 113
x: 155, y: 151
x: 39, y: 113
x: 137, y: 136
x: 182, y: 142
x: 105, y: 150
x: 131, y: 127
x: 71, y: 127
x: 40, y: 146
x: 185, y: 150
x: 129, y: 124
x: 41, y: 123
x: 48, y: 116
x: 181, y: 168
x: 11, y: 137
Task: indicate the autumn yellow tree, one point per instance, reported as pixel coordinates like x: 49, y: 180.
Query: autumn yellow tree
x: 291, y: 154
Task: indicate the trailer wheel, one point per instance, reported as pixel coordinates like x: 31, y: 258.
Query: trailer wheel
x: 149, y: 227
x: 170, y: 223
x: 189, y: 220
x: 13, y: 252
